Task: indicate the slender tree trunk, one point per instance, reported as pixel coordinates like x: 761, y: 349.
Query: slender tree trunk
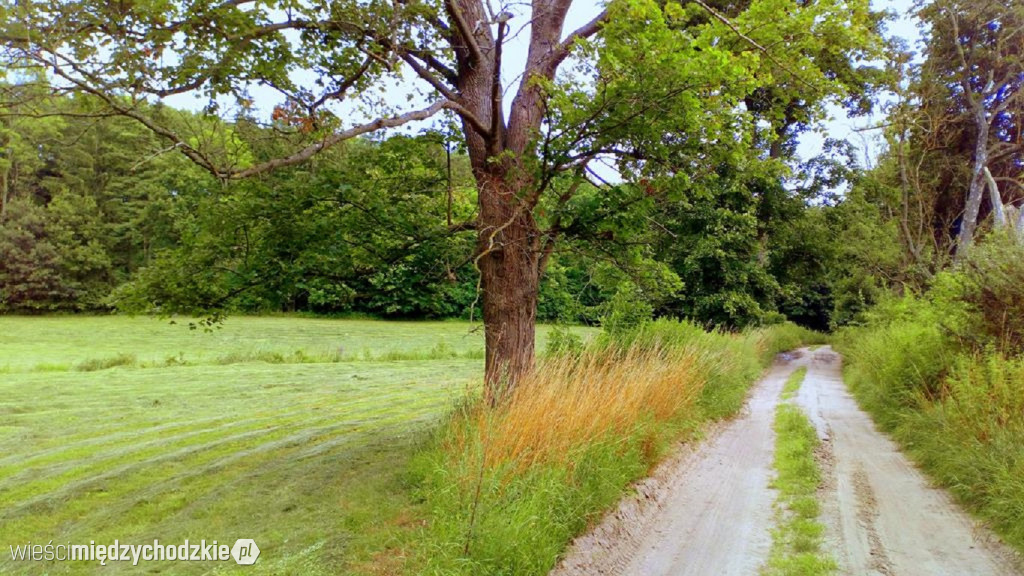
x: 977, y: 187
x: 1020, y: 226
x: 5, y: 175
x: 998, y: 215
x: 5, y: 194
x: 905, y: 187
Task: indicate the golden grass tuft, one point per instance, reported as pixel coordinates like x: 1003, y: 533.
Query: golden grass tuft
x: 570, y: 403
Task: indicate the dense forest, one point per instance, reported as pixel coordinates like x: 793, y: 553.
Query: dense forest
x: 96, y: 218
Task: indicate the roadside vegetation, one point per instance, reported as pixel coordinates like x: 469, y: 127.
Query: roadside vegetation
x: 506, y: 489
x: 797, y: 539
x: 943, y: 373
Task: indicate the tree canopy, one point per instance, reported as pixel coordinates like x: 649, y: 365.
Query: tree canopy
x: 680, y: 98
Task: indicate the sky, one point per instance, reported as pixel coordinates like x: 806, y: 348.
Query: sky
x: 859, y: 131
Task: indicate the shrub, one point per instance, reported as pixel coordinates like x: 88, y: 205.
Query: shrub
x: 943, y: 373
x: 563, y: 342
x: 992, y: 284
x: 626, y: 311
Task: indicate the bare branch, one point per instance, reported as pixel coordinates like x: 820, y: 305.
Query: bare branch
x: 425, y: 74
x: 310, y: 151
x: 129, y: 111
x: 170, y: 148
x: 465, y: 31
x: 496, y: 120
x: 997, y: 202
x: 432, y: 62
x: 345, y: 85
x: 586, y: 31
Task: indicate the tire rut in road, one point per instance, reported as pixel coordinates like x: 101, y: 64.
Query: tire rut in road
x: 882, y: 516
x: 707, y: 511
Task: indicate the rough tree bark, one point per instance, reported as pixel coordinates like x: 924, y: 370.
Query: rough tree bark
x: 509, y: 251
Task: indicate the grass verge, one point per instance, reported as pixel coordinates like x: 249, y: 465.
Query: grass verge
x: 958, y: 414
x: 943, y: 374
x: 797, y: 539
x: 506, y: 489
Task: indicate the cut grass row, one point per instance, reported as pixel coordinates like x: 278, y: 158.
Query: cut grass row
x: 309, y: 459
x: 798, y: 535
x: 215, y: 452
x: 91, y: 343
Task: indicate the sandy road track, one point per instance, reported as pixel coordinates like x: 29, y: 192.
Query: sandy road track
x: 881, y: 514
x: 708, y: 511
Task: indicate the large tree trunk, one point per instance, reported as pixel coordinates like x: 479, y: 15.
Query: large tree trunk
x: 508, y: 248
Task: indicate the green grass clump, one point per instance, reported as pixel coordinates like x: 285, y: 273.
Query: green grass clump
x: 797, y: 540
x: 793, y: 383
x: 94, y: 364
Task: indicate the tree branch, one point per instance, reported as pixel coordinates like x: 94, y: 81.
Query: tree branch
x: 721, y: 18
x: 465, y: 31
x: 344, y: 86
x: 192, y: 153
x: 310, y: 151
x: 496, y: 119
x: 586, y: 31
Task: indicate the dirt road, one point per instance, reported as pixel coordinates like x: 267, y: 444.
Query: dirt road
x: 708, y: 511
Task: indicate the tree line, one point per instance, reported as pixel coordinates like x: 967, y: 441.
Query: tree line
x: 96, y: 217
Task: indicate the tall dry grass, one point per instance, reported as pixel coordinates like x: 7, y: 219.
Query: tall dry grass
x: 572, y: 402
x: 506, y: 487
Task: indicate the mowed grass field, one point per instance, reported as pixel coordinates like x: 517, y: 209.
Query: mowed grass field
x: 293, y: 432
